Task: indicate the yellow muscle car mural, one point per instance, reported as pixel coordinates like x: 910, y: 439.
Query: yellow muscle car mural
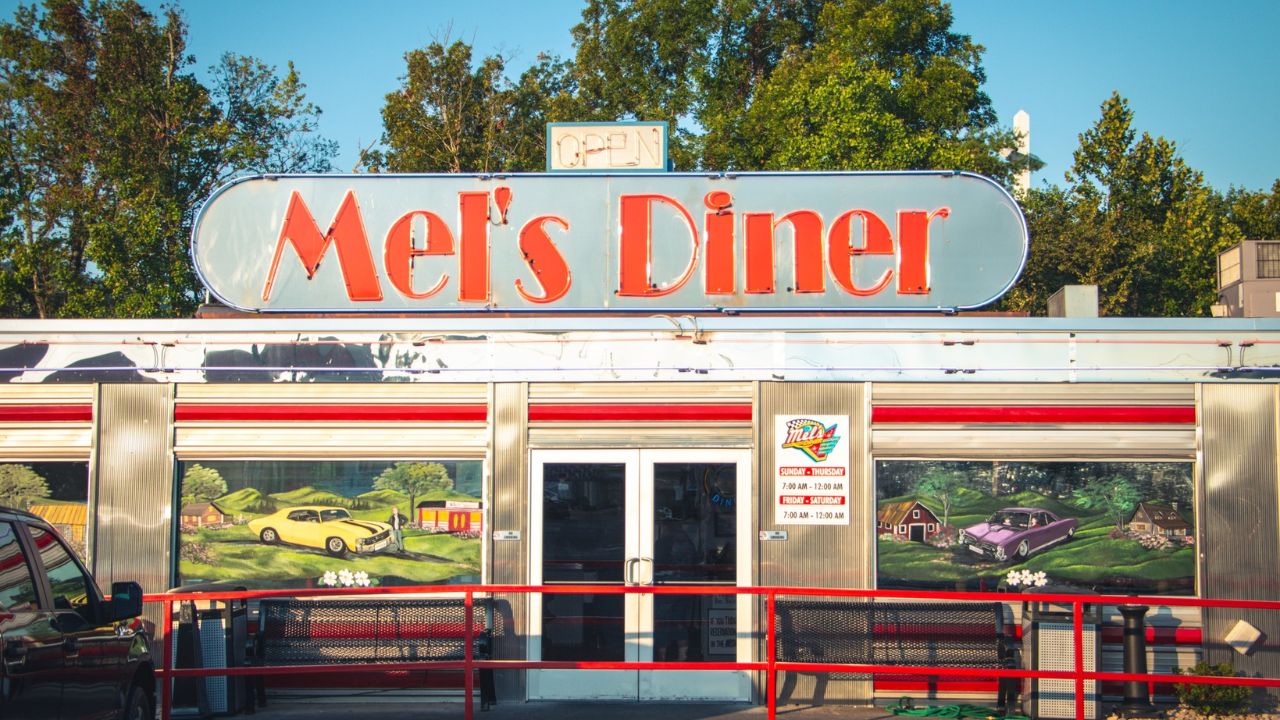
x: 329, y: 528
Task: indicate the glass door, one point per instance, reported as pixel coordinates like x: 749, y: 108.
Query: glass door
x: 632, y: 517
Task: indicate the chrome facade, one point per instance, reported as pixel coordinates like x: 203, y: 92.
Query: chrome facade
x: 837, y: 556
x: 1241, y: 530
x: 1227, y: 370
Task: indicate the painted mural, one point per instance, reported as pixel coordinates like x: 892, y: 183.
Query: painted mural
x: 274, y: 524
x: 56, y: 491
x: 1112, y: 527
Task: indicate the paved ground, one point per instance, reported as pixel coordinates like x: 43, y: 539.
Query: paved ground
x: 310, y: 707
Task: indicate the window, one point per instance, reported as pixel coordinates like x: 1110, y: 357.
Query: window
x: 17, y: 585
x: 61, y: 497
x: 997, y: 519
x: 72, y: 589
x: 1229, y: 267
x: 915, y: 514
x: 276, y: 523
x: 1268, y: 260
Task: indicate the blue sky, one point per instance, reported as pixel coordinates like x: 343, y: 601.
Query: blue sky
x: 1198, y: 73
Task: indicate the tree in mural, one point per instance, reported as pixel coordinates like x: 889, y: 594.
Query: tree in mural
x: 20, y: 486
x: 1114, y: 495
x: 943, y: 486
x: 202, y: 484
x: 414, y: 479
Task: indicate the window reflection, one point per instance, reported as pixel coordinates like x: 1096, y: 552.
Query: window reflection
x: 17, y: 587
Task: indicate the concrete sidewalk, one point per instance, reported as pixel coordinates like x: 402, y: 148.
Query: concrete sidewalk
x: 282, y: 708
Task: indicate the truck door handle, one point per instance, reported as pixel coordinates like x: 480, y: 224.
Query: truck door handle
x: 71, y: 646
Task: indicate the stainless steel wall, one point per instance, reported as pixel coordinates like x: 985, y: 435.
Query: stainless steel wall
x: 835, y: 556
x: 133, y: 479
x: 509, y: 500
x: 1240, y: 529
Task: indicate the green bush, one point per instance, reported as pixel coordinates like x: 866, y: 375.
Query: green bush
x: 1212, y: 699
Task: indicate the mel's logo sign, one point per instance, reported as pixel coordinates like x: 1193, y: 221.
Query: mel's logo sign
x: 640, y: 243
x: 811, y: 438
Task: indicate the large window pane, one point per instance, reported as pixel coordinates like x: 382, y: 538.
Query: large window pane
x: 1113, y: 527
x: 264, y: 524
x: 17, y: 586
x: 56, y: 491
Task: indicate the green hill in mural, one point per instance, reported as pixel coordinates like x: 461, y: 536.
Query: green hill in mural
x: 970, y: 506
x: 381, y: 498
x: 447, y: 495
x: 311, y: 496
x: 248, y: 500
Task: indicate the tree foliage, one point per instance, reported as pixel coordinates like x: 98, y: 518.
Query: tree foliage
x: 1116, y: 496
x: 414, y: 479
x: 200, y: 483
x: 20, y: 486
x: 943, y: 486
x: 108, y: 146
x: 1134, y: 219
x: 455, y: 115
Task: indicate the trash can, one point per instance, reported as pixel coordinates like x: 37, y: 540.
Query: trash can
x: 1048, y: 643
x: 210, y: 634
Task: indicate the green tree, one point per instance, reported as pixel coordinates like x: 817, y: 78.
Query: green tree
x: 793, y: 84
x: 1134, y: 219
x: 454, y: 115
x: 414, y: 479
x: 1115, y: 495
x: 886, y: 86
x: 1257, y: 214
x: 943, y: 486
x: 20, y: 486
x: 108, y: 146
x: 202, y: 483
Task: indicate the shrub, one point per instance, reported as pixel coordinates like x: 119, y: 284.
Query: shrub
x: 1153, y: 542
x: 1212, y: 699
x: 196, y: 552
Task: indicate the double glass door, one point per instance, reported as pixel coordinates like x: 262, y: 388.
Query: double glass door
x: 640, y: 518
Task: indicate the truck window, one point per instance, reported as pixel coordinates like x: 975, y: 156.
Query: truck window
x: 17, y: 585
x: 72, y: 589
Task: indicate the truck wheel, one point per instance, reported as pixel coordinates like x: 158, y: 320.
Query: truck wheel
x: 138, y: 705
x: 335, y: 546
x: 269, y: 536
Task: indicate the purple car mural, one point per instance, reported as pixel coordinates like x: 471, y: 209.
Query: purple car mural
x: 1014, y: 533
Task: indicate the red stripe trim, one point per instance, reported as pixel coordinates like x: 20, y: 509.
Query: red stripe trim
x: 988, y: 686
x: 385, y: 413
x: 652, y: 413
x: 46, y: 413
x: 1143, y: 414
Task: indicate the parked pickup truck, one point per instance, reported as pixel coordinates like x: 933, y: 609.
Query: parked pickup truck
x: 68, y: 652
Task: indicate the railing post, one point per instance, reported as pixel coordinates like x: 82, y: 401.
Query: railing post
x: 1077, y: 612
x: 771, y: 674
x: 166, y: 660
x: 468, y: 653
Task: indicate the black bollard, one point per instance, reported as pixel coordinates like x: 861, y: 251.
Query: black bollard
x: 1137, y: 702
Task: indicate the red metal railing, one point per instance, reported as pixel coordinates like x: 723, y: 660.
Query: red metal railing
x: 770, y: 666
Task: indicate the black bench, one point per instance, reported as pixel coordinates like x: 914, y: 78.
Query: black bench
x: 965, y: 635
x: 384, y: 630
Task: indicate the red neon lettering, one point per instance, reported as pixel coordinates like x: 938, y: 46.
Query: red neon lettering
x: 720, y: 276
x: 806, y: 243
x: 635, y: 242
x: 399, y: 251
x: 544, y: 259
x: 346, y: 231
x: 473, y: 262
x: 841, y: 252
x: 913, y: 244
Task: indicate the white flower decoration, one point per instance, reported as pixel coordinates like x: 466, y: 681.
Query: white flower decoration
x: 1014, y: 578
x: 1040, y: 579
x: 345, y: 577
x: 361, y: 578
x: 329, y: 578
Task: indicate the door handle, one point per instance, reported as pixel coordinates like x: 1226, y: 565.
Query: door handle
x: 71, y: 646
x: 627, y: 576
x: 648, y: 560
